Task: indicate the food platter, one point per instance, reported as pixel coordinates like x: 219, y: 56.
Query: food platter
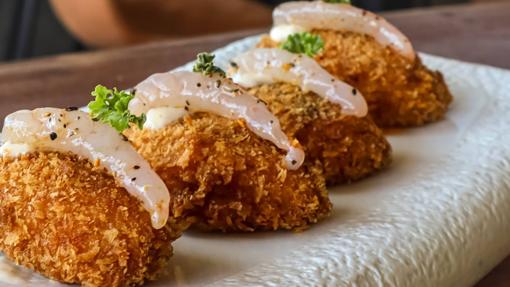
x: 437, y: 217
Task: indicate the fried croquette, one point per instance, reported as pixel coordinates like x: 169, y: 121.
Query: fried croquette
x: 349, y: 148
x: 228, y: 179
x: 69, y: 220
x: 399, y: 93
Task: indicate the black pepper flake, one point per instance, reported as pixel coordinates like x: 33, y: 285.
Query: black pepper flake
x: 136, y: 167
x: 234, y: 65
x: 218, y: 84
x: 79, y: 117
x: 133, y: 179
x: 199, y: 85
x: 70, y: 109
x: 187, y: 103
x: 65, y: 126
x: 354, y: 92
x: 124, y: 138
x: 271, y: 121
x: 53, y: 136
x: 293, y: 162
x: 186, y: 108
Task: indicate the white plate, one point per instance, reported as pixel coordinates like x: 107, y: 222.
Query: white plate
x: 440, y: 216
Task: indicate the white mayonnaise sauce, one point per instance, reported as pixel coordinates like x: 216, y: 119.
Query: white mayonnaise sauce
x: 282, y: 32
x: 334, y: 16
x: 264, y: 66
x: 215, y: 94
x: 159, y: 118
x: 14, y: 150
x: 50, y: 129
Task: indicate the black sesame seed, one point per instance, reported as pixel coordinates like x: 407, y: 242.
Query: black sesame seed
x: 79, y: 117
x: 234, y: 64
x: 70, y: 109
x: 124, y: 138
x: 65, y: 126
x: 53, y: 136
x: 199, y: 85
x: 186, y: 108
x: 94, y: 119
x: 271, y: 121
x: 136, y: 167
x: 354, y: 92
x: 187, y: 102
x: 133, y: 179
x: 294, y: 162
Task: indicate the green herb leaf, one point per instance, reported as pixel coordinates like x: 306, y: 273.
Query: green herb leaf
x: 303, y: 43
x: 338, y: 1
x: 111, y: 107
x: 205, y: 65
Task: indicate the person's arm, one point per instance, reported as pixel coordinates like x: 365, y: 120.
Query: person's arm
x: 107, y: 23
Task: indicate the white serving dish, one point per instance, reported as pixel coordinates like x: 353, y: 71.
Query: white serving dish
x: 440, y: 216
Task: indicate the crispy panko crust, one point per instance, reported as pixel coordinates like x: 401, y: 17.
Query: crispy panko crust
x: 349, y: 148
x: 400, y: 93
x: 228, y: 178
x: 70, y: 221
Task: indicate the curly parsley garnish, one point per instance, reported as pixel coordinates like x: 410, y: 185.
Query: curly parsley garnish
x: 205, y: 65
x: 111, y: 107
x: 303, y: 43
x: 338, y: 1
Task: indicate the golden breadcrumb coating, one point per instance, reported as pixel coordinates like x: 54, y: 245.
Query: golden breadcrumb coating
x: 400, y: 93
x: 349, y: 148
x: 70, y: 221
x: 228, y: 178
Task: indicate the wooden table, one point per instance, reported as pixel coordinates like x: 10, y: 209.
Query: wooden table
x: 477, y: 32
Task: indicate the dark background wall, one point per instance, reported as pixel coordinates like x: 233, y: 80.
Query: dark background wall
x: 29, y: 28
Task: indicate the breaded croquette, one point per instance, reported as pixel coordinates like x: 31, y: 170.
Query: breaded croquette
x: 349, y: 147
x: 230, y: 179
x: 71, y: 221
x: 399, y: 92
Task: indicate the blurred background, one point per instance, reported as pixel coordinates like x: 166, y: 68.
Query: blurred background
x: 32, y: 28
